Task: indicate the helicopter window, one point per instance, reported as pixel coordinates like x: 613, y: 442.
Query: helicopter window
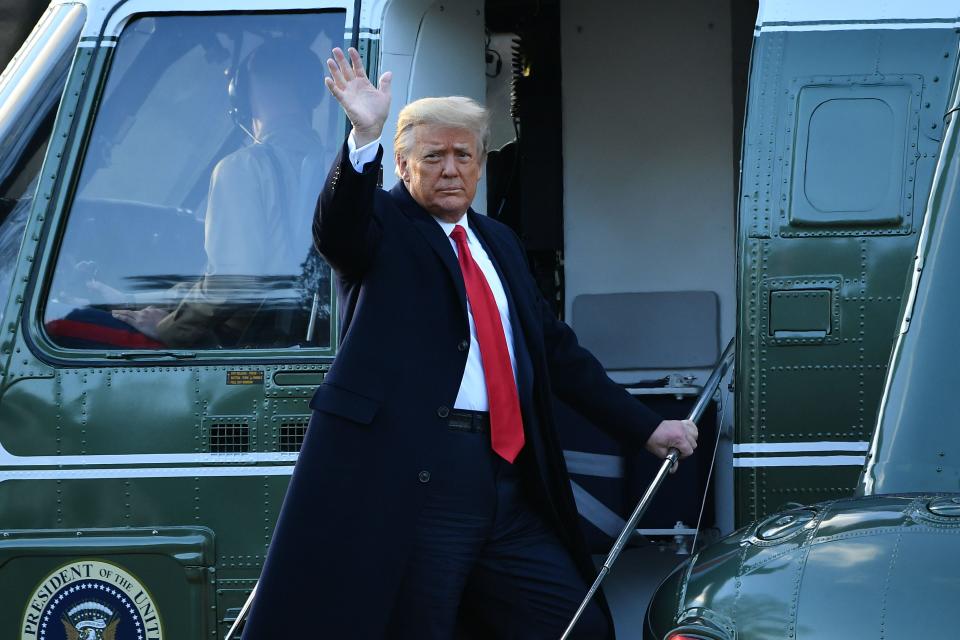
x: 26, y: 124
x: 191, y: 224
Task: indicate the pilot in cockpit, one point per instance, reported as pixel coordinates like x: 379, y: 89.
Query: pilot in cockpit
x: 257, y: 227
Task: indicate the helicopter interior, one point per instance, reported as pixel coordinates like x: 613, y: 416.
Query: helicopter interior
x: 181, y: 161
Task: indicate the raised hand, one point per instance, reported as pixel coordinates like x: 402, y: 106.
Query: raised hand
x: 366, y: 106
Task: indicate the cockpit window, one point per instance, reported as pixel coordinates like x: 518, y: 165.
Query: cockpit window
x: 191, y: 224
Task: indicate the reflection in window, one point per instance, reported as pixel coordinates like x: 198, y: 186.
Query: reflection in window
x: 29, y: 94
x: 191, y: 227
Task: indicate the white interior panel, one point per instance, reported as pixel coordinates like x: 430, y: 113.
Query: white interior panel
x: 433, y: 49
x: 648, y: 150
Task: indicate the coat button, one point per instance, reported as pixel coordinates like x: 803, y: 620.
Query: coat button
x: 443, y: 412
x: 423, y: 477
x: 464, y: 345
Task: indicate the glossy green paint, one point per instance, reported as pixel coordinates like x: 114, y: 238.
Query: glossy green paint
x: 842, y: 569
x: 822, y: 259
x: 179, y: 562
x: 198, y: 537
x: 882, y: 564
x: 916, y: 447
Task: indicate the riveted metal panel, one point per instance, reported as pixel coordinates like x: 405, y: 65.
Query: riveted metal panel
x: 798, y: 388
x: 856, y: 569
x: 850, y: 155
x: 801, y: 295
x: 801, y: 312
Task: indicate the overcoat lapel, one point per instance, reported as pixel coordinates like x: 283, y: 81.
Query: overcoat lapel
x: 501, y: 255
x: 433, y: 234
x: 509, y: 269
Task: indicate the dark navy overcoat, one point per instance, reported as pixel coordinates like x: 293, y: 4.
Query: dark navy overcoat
x: 373, y: 447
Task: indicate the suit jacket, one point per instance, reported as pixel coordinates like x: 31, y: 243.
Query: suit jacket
x: 372, y: 447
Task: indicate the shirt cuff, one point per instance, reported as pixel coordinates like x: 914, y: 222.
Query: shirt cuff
x: 363, y: 155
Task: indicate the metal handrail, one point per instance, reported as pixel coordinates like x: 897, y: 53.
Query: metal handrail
x: 242, y: 615
x: 672, y: 456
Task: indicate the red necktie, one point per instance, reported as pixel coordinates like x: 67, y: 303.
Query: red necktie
x: 506, y: 424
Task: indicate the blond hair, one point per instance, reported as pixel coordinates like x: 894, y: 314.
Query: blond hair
x: 457, y: 112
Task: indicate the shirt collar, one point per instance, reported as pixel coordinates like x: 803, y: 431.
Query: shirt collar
x: 448, y: 226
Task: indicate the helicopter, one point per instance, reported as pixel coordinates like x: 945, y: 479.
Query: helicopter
x: 155, y: 386
x: 879, y: 563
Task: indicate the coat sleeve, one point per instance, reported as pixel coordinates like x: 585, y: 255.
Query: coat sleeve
x: 579, y: 379
x: 346, y: 229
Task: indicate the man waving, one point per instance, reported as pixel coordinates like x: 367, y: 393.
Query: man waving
x: 431, y: 492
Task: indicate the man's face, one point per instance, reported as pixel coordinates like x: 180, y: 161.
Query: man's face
x: 442, y: 169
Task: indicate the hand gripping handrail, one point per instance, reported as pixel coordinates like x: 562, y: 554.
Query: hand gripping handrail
x: 672, y: 456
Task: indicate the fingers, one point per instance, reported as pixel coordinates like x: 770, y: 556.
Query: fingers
x: 346, y: 70
x: 684, y: 447
x: 342, y: 71
x: 683, y: 436
x: 690, y: 433
x: 334, y: 89
x: 677, y: 434
x: 356, y: 64
x: 130, y: 315
x: 674, y: 434
x: 336, y: 75
x: 125, y: 315
x: 385, y: 80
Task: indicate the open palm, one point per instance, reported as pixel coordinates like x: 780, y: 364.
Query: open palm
x: 366, y: 106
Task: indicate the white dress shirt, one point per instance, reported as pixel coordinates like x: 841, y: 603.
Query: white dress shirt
x: 473, y: 386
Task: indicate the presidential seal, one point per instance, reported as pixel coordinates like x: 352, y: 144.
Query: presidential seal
x: 91, y: 600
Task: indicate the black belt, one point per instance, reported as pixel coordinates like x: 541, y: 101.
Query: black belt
x: 471, y: 421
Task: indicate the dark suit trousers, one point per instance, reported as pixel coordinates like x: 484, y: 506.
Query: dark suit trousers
x: 484, y: 555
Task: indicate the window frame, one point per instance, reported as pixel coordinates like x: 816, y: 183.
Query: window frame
x: 88, y: 107
x: 23, y: 88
